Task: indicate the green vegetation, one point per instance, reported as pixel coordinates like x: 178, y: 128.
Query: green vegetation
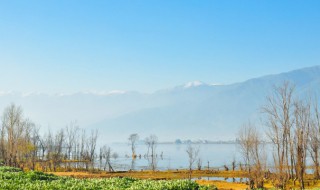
x: 13, y: 178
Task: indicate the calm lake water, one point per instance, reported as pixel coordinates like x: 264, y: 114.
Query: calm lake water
x: 174, y: 156
x: 230, y: 179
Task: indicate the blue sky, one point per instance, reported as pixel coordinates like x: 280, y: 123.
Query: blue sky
x: 74, y: 45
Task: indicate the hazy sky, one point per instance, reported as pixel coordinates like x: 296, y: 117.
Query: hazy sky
x: 144, y: 45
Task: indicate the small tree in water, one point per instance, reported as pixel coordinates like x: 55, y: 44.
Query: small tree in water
x: 193, y: 153
x: 133, y: 138
x: 152, y: 142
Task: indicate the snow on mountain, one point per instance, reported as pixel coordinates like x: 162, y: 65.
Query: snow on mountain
x: 209, y: 112
x: 194, y: 84
x: 195, y: 110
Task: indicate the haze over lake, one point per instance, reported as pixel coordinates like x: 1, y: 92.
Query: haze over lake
x: 175, y: 156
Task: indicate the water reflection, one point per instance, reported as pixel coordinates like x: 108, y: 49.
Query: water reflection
x: 133, y: 164
x: 233, y: 180
x: 171, y: 156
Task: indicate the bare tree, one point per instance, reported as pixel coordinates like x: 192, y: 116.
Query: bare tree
x: 57, y: 155
x: 3, y: 151
x: 199, y: 164
x: 279, y: 112
x: 233, y: 164
x: 251, y: 149
x: 302, y: 128
x: 90, y: 148
x: 36, y: 141
x: 49, y: 143
x: 106, y: 154
x: 15, y: 141
x: 245, y: 143
x: 21, y: 144
x: 133, y: 138
x: 71, y: 135
x: 81, y: 149
x: 314, y: 144
x: 152, y: 142
x: 193, y: 153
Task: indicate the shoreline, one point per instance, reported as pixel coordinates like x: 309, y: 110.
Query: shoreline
x: 181, y: 174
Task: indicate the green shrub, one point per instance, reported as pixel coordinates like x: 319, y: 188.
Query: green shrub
x: 9, y: 169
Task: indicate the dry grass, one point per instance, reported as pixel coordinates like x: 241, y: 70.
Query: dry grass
x: 183, y: 174
x: 223, y: 184
x: 170, y: 174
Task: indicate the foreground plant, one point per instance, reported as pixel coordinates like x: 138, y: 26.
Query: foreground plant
x: 12, y: 178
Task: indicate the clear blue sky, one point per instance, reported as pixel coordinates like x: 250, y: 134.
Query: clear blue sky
x: 144, y: 45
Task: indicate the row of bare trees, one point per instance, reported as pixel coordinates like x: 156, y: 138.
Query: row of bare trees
x: 21, y: 144
x: 151, y: 142
x: 294, y: 131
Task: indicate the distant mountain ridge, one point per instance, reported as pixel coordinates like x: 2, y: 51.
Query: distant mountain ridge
x: 195, y: 110
x: 209, y: 111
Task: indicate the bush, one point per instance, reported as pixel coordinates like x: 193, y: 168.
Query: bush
x: 9, y: 169
x: 36, y: 175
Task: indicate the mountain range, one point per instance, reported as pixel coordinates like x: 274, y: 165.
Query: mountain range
x: 195, y: 110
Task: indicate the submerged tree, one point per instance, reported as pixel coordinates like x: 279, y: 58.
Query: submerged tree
x: 133, y: 138
x: 193, y: 153
x: 106, y: 155
x: 152, y: 142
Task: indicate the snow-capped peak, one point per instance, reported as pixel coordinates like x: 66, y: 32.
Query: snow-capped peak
x: 194, y: 84
x: 95, y: 93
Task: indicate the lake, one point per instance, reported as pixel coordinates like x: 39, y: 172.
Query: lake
x: 174, y: 156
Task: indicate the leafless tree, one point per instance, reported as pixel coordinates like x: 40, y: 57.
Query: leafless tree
x: 106, y: 154
x: 90, y: 148
x: 314, y: 144
x: 279, y: 113
x: 21, y: 144
x: 36, y: 142
x: 71, y: 135
x: 233, y: 164
x: 152, y: 142
x: 193, y: 153
x: 82, y: 146
x: 302, y: 128
x: 252, y: 151
x: 245, y: 143
x: 15, y: 139
x: 199, y: 163
x: 57, y: 153
x: 133, y: 138
x: 3, y: 151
